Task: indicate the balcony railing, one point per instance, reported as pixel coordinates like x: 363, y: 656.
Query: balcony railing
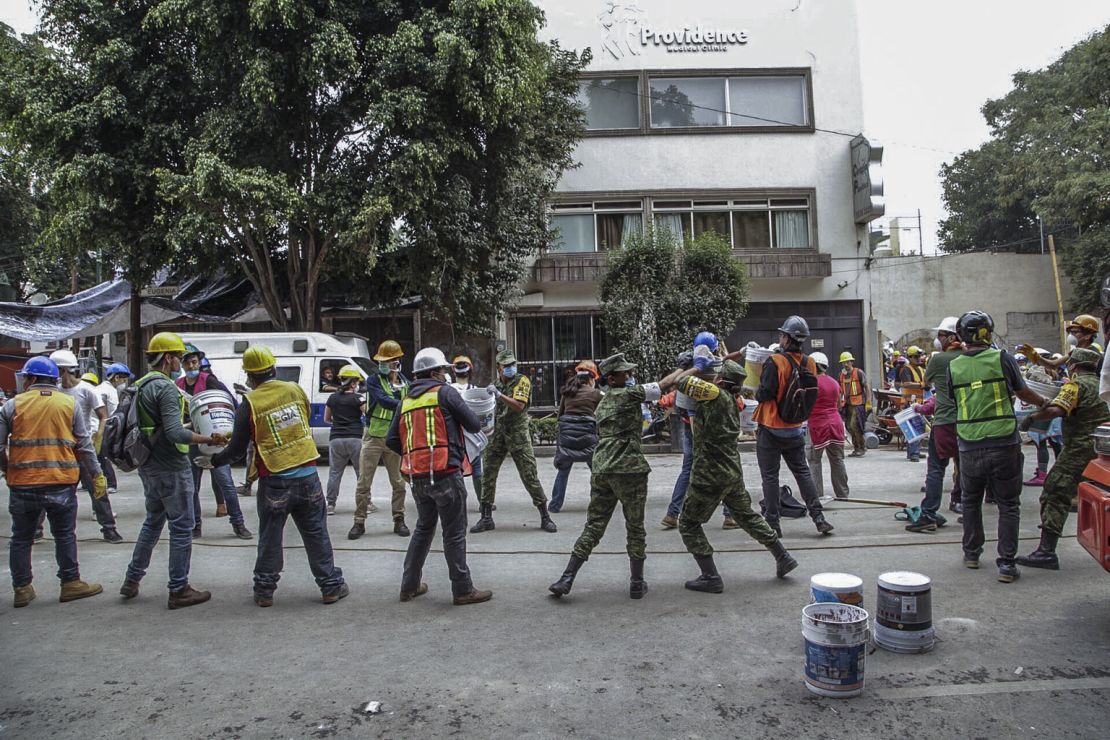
x: 762, y: 265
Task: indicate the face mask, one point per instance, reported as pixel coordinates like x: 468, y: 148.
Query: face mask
x: 1073, y: 340
x: 383, y: 368
x: 583, y: 376
x: 192, y: 374
x: 175, y: 374
x: 462, y: 372
x: 629, y: 382
x: 509, y: 372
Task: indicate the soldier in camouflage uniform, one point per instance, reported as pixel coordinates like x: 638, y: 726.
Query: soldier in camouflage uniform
x: 717, y: 476
x: 620, y: 472
x: 1083, y: 411
x: 511, y: 436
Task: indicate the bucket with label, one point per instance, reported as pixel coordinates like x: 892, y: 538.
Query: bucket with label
x: 483, y: 405
x: 913, y: 425
x: 904, y: 613
x: 475, y: 443
x: 836, y: 588
x: 747, y: 422
x: 753, y: 365
x: 212, y: 412
x: 836, y: 648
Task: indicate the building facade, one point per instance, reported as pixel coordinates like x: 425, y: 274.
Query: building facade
x: 732, y: 116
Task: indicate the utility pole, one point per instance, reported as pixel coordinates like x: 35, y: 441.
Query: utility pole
x: 99, y: 337
x: 920, y: 235
x: 1059, y: 297
x: 1040, y: 228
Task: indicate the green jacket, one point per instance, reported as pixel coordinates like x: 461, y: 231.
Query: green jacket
x: 508, y: 421
x: 1086, y: 411
x: 620, y: 430
x: 716, y: 430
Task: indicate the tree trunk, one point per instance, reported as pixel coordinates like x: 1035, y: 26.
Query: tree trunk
x: 135, y: 347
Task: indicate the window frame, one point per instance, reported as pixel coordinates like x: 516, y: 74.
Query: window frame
x: 593, y: 207
x: 644, y: 86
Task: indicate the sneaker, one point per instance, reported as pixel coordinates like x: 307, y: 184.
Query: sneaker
x: 111, y: 535
x: 410, y: 595
x: 474, y: 597
x: 340, y: 593
x: 187, y: 596
x: 1037, y: 479
x: 331, y: 509
x: 1008, y: 573
x: 971, y: 561
x: 245, y: 490
x: 730, y: 523
x: 956, y: 507
x: 669, y: 522
x: 111, y: 490
x: 264, y: 600
x: 922, y: 525
x: 357, y: 531
x: 241, y: 531
x: 371, y: 508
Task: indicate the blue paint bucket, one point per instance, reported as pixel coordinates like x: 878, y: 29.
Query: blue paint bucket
x: 836, y: 647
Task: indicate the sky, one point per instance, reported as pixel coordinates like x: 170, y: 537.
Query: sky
x: 927, y: 69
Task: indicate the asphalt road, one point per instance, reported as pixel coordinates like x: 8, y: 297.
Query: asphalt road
x: 1030, y: 659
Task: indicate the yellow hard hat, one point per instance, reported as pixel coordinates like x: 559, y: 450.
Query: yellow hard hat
x: 388, y: 350
x: 258, y: 359
x: 350, y: 371
x: 913, y: 350
x: 165, y: 341
x: 1084, y: 321
x: 847, y: 357
x: 91, y: 377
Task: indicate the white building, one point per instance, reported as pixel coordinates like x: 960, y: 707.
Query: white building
x: 728, y: 115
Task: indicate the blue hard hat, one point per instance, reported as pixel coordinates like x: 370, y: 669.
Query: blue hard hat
x: 118, y: 368
x: 43, y: 367
x: 708, y: 338
x: 204, y: 362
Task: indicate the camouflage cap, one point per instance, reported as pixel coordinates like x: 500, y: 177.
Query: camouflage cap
x: 732, y: 372
x: 506, y: 357
x: 616, y: 364
x: 1084, y: 356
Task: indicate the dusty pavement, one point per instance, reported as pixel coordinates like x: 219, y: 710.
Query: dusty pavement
x: 1028, y: 659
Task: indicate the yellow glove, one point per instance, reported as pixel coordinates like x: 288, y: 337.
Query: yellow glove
x: 1030, y: 353
x: 98, y: 442
x: 100, y: 487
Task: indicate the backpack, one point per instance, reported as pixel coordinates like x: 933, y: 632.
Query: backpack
x: 800, y: 394
x: 789, y: 507
x: 124, y: 442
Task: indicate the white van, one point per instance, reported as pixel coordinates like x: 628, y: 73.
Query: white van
x: 301, y: 358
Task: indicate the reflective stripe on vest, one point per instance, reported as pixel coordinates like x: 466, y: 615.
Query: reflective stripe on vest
x: 282, y: 436
x: 380, y: 416
x: 984, y: 408
x: 424, y: 439
x: 146, y: 421
x: 851, y: 388
x: 41, y: 446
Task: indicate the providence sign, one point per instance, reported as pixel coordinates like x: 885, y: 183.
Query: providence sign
x: 695, y: 39
x: 625, y: 33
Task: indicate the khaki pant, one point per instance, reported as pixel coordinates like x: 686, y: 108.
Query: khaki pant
x: 374, y: 451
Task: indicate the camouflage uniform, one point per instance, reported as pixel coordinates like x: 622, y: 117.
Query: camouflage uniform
x: 511, y: 436
x: 717, y: 474
x: 1085, y: 412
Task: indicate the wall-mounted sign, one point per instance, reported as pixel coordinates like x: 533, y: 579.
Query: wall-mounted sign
x: 867, y: 179
x: 626, y: 32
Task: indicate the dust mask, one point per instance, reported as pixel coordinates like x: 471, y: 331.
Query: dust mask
x: 1073, y: 340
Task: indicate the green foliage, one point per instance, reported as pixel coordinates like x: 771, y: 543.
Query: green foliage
x: 543, y: 430
x: 657, y: 293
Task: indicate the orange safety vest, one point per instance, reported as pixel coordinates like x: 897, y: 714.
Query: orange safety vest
x: 424, y: 440
x: 851, y: 388
x: 767, y: 413
x: 42, y: 446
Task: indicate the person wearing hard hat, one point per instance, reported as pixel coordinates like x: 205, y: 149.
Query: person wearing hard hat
x: 855, y: 401
x: 167, y: 479
x: 92, y: 405
x: 275, y: 417
x: 781, y: 436
x: 826, y: 431
x: 44, y: 448
x: 1082, y: 332
x: 116, y: 377
x: 462, y: 379
x: 511, y: 436
x: 344, y: 412
x: 1082, y: 411
x: 427, y: 434
x: 384, y: 391
x: 911, y: 382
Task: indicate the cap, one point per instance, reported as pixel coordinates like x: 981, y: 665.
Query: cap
x: 616, y: 364
x: 506, y: 357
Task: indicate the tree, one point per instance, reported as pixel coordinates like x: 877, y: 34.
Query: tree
x: 1048, y: 156
x: 407, y: 146
x: 658, y: 292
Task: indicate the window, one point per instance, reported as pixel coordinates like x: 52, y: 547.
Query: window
x: 738, y: 101
x: 595, y: 226
x: 683, y: 102
x: 775, y: 223
x: 610, y: 103
x: 767, y: 101
x: 549, y: 347
x: 292, y: 373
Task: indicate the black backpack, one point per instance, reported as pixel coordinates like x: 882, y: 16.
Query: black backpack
x: 789, y: 507
x: 124, y: 442
x: 800, y: 393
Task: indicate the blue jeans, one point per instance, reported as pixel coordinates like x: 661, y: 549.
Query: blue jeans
x: 222, y: 484
x: 168, y: 499
x: 60, y: 506
x: 559, y: 490
x: 302, y: 499
x: 443, y: 501
x: 678, y: 494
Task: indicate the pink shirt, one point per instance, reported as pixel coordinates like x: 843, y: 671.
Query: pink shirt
x: 825, y: 425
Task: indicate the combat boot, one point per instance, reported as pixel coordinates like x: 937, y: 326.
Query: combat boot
x: 78, y: 589
x: 357, y: 531
x: 709, y: 581
x: 637, y: 586
x: 784, y: 561
x: 822, y: 526
x: 546, y: 524
x: 1045, y: 554
x: 24, y: 595
x: 562, y: 586
x: 485, y: 523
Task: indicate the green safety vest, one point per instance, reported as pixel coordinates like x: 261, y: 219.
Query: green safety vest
x: 984, y: 408
x: 380, y: 416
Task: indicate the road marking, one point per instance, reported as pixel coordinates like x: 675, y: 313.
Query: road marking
x: 1002, y: 687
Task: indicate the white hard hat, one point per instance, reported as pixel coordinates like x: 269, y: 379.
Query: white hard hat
x: 429, y: 358
x: 820, y: 359
x: 63, y: 358
x: 948, y: 325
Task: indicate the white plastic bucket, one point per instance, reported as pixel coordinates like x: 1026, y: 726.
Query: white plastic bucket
x: 684, y: 402
x: 904, y: 613
x: 753, y: 365
x: 1048, y: 390
x: 475, y: 443
x: 212, y: 412
x: 483, y: 405
x: 836, y: 588
x: 747, y: 423
x: 913, y: 425
x: 836, y: 648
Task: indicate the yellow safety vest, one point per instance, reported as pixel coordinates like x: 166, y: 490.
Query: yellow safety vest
x: 41, y: 446
x: 282, y: 436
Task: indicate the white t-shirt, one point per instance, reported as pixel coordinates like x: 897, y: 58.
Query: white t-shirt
x: 110, y: 395
x: 88, y: 401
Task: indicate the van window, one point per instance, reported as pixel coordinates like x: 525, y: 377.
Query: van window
x: 329, y: 373
x: 291, y: 373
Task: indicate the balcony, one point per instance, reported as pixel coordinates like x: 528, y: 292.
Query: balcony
x: 772, y: 264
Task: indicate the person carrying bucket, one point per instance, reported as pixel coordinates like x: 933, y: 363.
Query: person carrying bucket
x: 826, y: 431
x: 855, y: 401
x: 577, y: 436
x: 911, y: 380
x: 1082, y: 411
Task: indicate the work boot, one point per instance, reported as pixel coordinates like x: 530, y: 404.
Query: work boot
x: 24, y: 595
x: 709, y: 581
x: 1008, y: 573
x: 822, y: 526
x: 924, y: 524
x: 546, y: 524
x: 264, y: 600
x: 187, y: 596
x: 333, y: 596
x: 784, y: 561
x: 1037, y: 479
x: 562, y: 586
x: 637, y: 586
x: 111, y: 535
x: 1045, y: 554
x: 484, y: 524
x: 129, y: 589
x: 241, y: 531
x: 410, y: 595
x: 400, y: 528
x: 221, y: 510
x: 474, y: 597
x: 78, y: 589
x: 669, y: 522
x: 729, y: 523
x: 357, y: 531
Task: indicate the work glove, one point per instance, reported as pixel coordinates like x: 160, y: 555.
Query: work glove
x: 703, y: 358
x: 203, y: 461
x: 491, y: 389
x: 99, y: 487
x: 685, y: 360
x: 1030, y: 353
